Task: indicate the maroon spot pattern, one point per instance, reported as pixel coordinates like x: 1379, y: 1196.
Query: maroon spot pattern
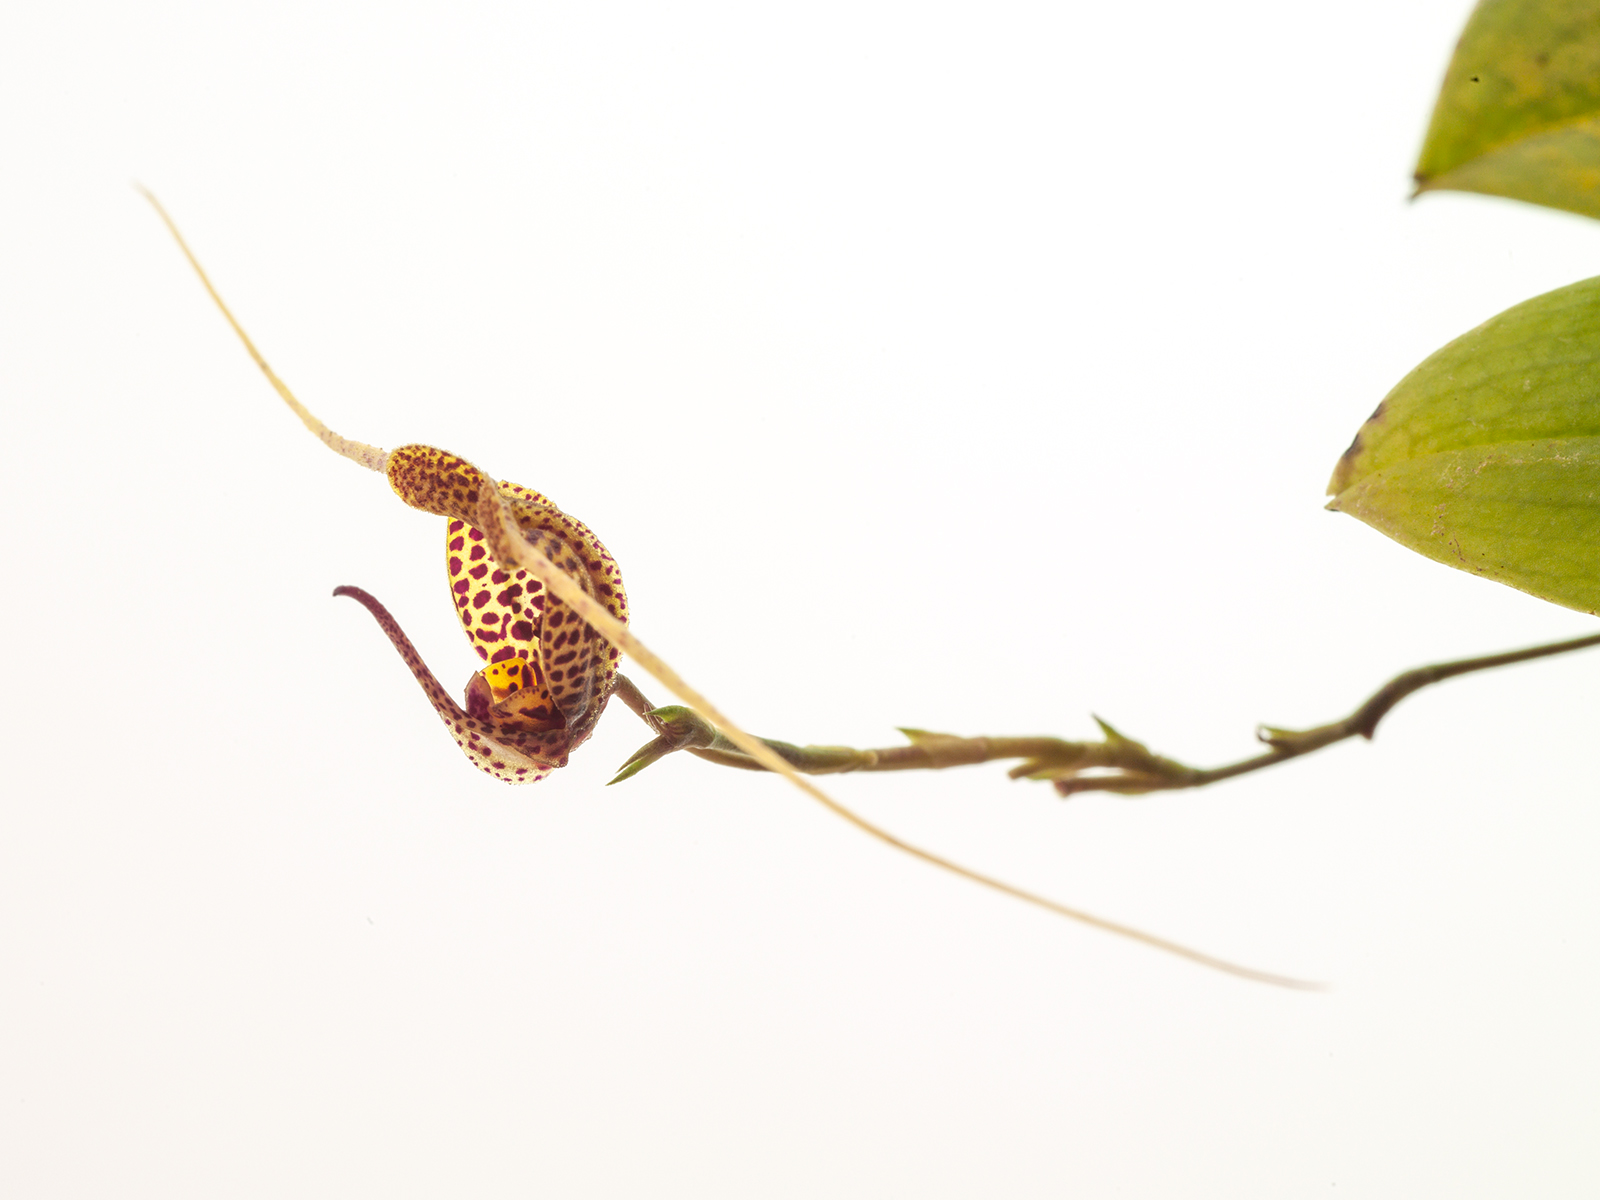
x: 513, y: 751
x: 506, y: 613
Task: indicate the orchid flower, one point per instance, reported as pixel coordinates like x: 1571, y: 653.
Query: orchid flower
x: 543, y: 606
x: 548, y: 673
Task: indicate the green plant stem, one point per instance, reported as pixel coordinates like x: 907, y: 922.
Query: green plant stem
x: 1115, y: 764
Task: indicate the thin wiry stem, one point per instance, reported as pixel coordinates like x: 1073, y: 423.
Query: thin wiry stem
x: 511, y: 546
x: 508, y: 545
x: 372, y: 457
x: 1115, y: 764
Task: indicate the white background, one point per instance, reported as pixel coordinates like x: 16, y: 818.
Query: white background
x: 971, y: 367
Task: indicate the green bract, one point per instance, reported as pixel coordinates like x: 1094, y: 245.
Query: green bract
x: 1487, y: 456
x: 1519, y: 113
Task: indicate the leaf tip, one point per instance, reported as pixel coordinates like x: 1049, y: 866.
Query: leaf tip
x: 1110, y: 734
x: 921, y: 737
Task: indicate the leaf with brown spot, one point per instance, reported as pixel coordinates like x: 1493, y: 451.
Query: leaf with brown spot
x: 1519, y: 112
x: 1486, y: 457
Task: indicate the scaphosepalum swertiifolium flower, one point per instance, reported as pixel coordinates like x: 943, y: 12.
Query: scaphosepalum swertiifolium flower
x: 543, y: 605
x: 548, y: 673
x: 1467, y: 461
x: 520, y: 720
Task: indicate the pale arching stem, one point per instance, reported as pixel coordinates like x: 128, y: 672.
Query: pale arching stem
x: 508, y: 545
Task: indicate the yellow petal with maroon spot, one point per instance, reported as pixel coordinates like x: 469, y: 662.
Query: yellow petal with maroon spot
x: 578, y: 664
x: 507, y: 677
x: 436, y: 481
x: 499, y: 609
x: 507, y: 613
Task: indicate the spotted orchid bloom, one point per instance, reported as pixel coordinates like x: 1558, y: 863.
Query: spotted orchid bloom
x: 547, y: 674
x: 521, y: 572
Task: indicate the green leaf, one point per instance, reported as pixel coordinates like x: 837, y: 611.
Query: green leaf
x: 1487, y: 456
x: 1519, y: 113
